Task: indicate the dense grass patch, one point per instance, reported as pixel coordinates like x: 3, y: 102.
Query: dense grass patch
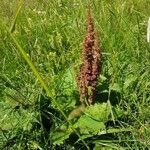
x: 51, y: 34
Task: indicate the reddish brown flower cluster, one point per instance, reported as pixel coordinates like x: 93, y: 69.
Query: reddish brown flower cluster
x: 91, y: 65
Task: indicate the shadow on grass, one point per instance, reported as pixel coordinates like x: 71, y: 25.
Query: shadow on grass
x: 104, y: 93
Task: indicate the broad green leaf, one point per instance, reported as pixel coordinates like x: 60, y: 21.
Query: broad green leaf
x: 88, y: 125
x: 99, y: 112
x: 19, y: 118
x: 59, y: 136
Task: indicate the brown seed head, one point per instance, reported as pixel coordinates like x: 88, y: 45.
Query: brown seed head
x: 91, y: 66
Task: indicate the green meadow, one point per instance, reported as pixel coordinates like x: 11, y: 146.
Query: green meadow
x: 41, y: 43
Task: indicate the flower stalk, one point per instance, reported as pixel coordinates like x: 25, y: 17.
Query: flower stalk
x: 91, y: 66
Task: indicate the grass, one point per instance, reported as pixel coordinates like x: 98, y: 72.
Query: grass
x: 51, y: 35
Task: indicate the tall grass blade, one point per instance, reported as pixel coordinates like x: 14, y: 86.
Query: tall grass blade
x: 12, y: 28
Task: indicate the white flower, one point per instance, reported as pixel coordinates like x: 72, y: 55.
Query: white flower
x: 148, y: 31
